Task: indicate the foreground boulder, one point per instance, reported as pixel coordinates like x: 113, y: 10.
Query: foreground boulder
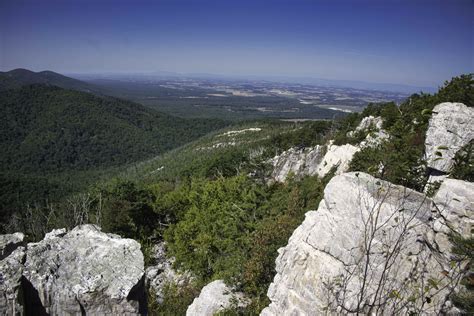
x: 84, y: 272
x: 12, y: 252
x: 451, y: 127
x: 215, y: 296
x: 370, y: 248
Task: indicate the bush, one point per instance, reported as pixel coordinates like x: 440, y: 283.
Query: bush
x: 463, y: 167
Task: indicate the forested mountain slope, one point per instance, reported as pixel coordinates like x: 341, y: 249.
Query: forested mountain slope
x: 47, y: 128
x: 48, y: 131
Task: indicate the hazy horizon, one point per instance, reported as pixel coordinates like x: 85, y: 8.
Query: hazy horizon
x: 415, y: 43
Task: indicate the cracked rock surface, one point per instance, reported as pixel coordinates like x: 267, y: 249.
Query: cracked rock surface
x: 12, y: 252
x: 322, y: 267
x: 84, y: 272
x: 450, y: 128
x: 213, y: 298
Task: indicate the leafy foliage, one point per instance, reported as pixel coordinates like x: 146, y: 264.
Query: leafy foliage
x: 463, y: 167
x: 400, y: 160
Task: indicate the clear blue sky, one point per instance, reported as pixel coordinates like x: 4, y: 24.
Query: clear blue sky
x: 417, y: 42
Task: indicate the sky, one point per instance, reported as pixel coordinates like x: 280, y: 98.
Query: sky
x: 413, y: 42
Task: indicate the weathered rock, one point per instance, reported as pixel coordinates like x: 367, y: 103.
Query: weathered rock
x: 214, y: 297
x: 84, y: 271
x: 162, y: 273
x: 335, y: 261
x: 298, y: 162
x: 11, y: 268
x: 374, y: 138
x: 368, y: 122
x: 376, y: 134
x: 455, y: 201
x: 336, y: 156
x: 318, y: 160
x: 450, y: 128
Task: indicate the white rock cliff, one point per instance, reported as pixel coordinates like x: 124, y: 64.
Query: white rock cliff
x: 336, y: 260
x: 450, y: 128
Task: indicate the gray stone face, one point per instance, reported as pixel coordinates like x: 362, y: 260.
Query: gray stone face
x: 298, y: 162
x: 335, y: 261
x: 377, y: 134
x: 339, y: 157
x: 84, y: 271
x: 455, y: 201
x: 318, y: 160
x: 450, y: 128
x: 11, y: 268
x: 161, y: 273
x: 214, y: 297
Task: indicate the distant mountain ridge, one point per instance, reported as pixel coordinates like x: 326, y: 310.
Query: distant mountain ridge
x: 21, y: 77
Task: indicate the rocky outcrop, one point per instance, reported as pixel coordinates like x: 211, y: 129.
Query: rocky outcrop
x: 370, y: 122
x: 298, y: 162
x: 84, y: 272
x: 370, y: 243
x: 454, y: 200
x: 450, y: 128
x: 376, y: 134
x: 321, y: 159
x: 213, y: 298
x: 338, y: 157
x: 161, y: 273
x: 11, y: 268
x: 318, y: 160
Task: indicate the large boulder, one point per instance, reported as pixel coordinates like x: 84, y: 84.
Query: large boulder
x: 370, y: 248
x: 213, y: 298
x: 12, y: 252
x: 84, y: 272
x: 451, y: 127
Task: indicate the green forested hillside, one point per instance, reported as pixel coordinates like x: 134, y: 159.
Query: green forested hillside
x: 46, y: 128
x: 53, y: 139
